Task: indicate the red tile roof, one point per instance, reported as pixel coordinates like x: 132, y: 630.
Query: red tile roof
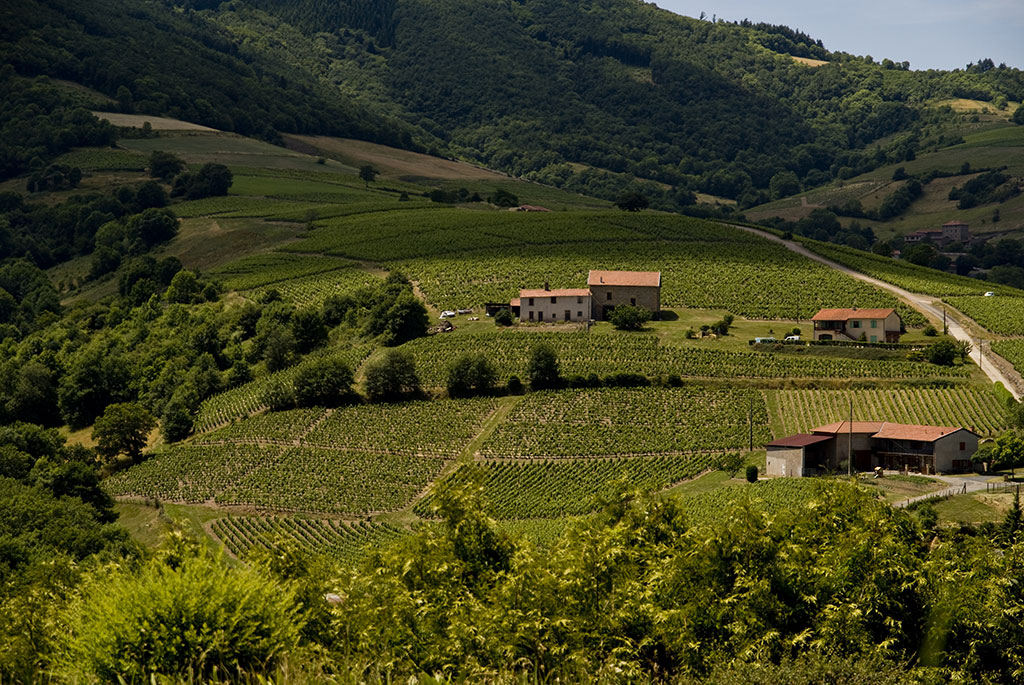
x: 635, y: 278
x: 898, y: 431
x: 514, y: 302
x: 799, y: 440
x: 844, y: 427
x: 564, y: 292
x: 847, y: 314
x: 954, y: 223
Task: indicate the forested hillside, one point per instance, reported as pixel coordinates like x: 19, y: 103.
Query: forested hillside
x: 599, y: 97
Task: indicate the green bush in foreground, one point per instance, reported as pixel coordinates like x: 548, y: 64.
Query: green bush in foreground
x: 181, y: 614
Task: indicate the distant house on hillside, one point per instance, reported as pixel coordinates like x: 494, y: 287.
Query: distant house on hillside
x: 895, y: 446
x: 569, y: 304
x: 870, y: 325
x: 529, y: 208
x: 612, y: 288
x: 951, y: 232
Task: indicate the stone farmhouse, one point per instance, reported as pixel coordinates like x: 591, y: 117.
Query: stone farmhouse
x: 612, y: 288
x: 870, y: 325
x: 607, y: 290
x: 951, y: 232
x: 894, y: 446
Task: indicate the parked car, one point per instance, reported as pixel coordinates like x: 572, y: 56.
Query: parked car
x: 792, y: 338
x: 765, y: 340
x: 990, y: 294
x: 447, y: 314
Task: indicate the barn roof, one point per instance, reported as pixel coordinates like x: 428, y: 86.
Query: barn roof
x: 799, y: 440
x: 847, y: 314
x: 650, y: 279
x: 899, y: 431
x: 844, y: 427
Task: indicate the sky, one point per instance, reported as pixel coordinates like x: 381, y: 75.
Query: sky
x: 930, y: 34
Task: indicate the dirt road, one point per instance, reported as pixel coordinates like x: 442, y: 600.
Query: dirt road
x: 922, y: 303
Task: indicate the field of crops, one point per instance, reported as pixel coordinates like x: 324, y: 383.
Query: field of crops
x: 567, y: 487
x: 248, y: 399
x: 312, y: 291
x: 614, y: 421
x: 263, y: 269
x: 334, y: 481
x: 103, y: 159
x: 1012, y: 351
x: 580, y: 353
x: 916, y: 279
x: 279, y: 427
x: 436, y: 428
x: 342, y: 541
x: 771, y: 496
x: 1000, y: 314
x: 190, y: 473
x: 799, y: 411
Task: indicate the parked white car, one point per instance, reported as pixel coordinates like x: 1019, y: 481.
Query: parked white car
x: 792, y: 338
x: 990, y: 294
x: 447, y: 314
x: 765, y: 340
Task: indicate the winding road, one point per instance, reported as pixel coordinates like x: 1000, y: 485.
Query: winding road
x: 922, y: 303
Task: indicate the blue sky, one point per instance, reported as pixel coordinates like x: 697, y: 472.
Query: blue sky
x: 931, y: 34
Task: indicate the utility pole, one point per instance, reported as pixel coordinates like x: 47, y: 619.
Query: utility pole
x: 945, y: 330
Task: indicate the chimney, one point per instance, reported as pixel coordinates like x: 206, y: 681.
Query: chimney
x: 602, y: 279
x: 546, y: 286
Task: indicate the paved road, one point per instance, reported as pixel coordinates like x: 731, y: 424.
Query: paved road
x: 957, y: 485
x: 922, y: 303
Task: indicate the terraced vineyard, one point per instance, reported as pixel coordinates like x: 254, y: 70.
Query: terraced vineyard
x: 916, y: 279
x: 313, y: 291
x: 799, y: 411
x: 1012, y: 351
x: 615, y: 421
x: 261, y: 270
x: 772, y: 496
x: 704, y: 265
x: 279, y: 427
x: 249, y: 398
x: 436, y: 428
x: 583, y: 354
x: 568, y: 487
x: 190, y: 473
x: 347, y: 542
x: 1000, y: 314
x: 334, y: 481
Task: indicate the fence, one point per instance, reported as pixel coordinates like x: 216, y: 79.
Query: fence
x: 1002, y: 487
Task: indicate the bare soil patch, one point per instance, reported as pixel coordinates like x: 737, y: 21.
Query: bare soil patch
x: 158, y: 123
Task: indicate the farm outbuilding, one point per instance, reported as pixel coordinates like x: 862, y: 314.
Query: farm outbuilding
x: 612, y: 288
x: 893, y: 446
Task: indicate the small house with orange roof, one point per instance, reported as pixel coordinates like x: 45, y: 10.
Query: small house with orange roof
x: 866, y: 325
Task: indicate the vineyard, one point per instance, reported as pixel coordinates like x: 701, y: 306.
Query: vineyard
x: 1002, y: 315
x: 260, y: 270
x: 249, y: 398
x: 437, y: 428
x: 614, y: 421
x: 568, y: 487
x: 279, y: 427
x: 190, y: 473
x: 333, y: 481
x: 772, y: 496
x: 799, y: 411
x: 580, y: 353
x: 916, y: 279
x: 1012, y: 351
x: 312, y: 291
x: 347, y: 542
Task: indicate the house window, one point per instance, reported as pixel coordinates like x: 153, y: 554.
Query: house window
x: 963, y: 446
x: 579, y: 300
x: 531, y: 315
x: 554, y: 300
x: 540, y: 315
x: 874, y: 324
x: 632, y: 301
x: 579, y: 315
x: 609, y: 295
x: 530, y: 302
x: 855, y: 324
